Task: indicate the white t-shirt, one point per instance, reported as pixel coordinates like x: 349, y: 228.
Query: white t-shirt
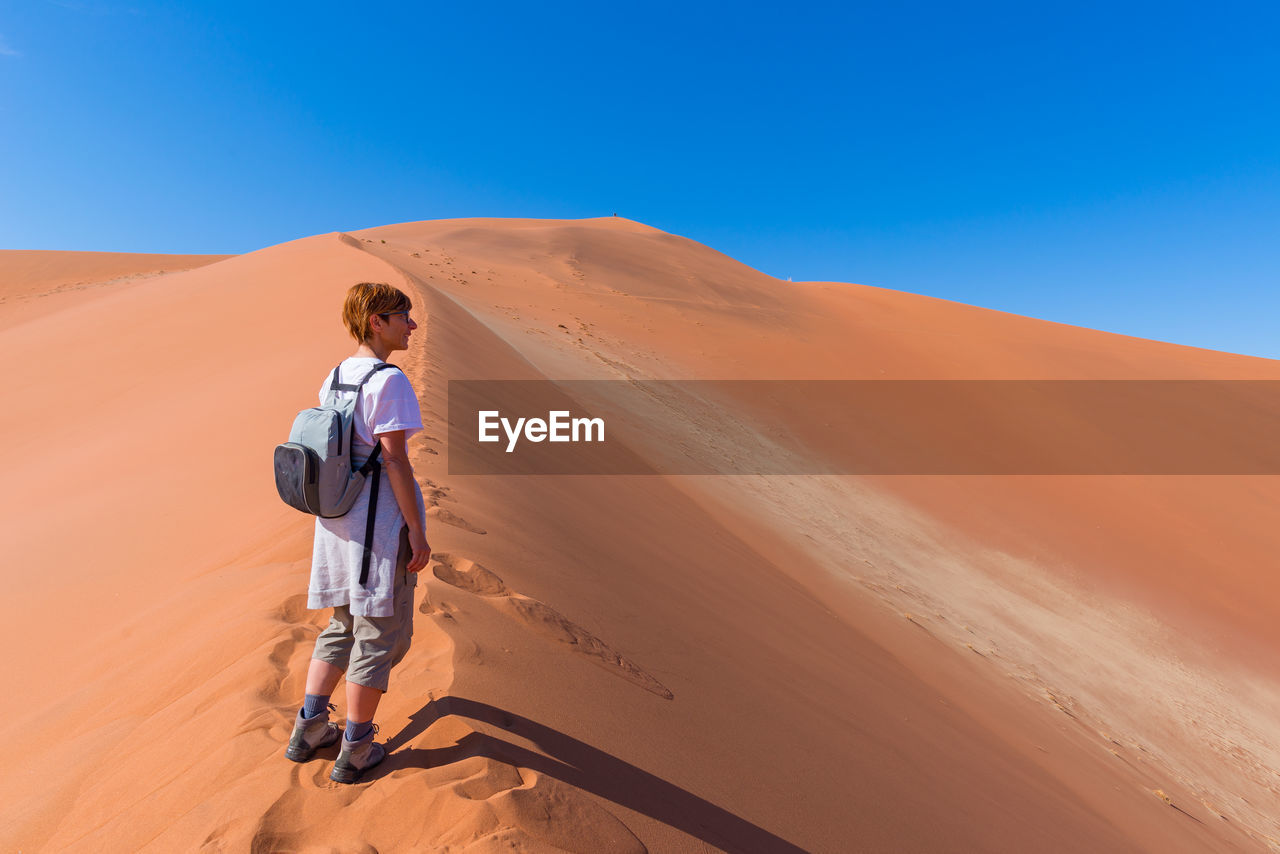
x: 338, y: 551
x: 387, y: 401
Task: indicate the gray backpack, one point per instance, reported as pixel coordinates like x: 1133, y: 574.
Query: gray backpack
x: 313, y: 469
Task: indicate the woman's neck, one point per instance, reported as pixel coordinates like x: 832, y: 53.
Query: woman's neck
x: 373, y: 350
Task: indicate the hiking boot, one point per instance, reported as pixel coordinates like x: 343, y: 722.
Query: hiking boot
x: 357, y: 757
x: 311, y: 734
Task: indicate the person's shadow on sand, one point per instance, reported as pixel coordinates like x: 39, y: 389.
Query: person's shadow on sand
x: 577, y: 764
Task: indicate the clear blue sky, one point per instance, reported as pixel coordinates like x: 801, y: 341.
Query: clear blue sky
x: 1112, y: 165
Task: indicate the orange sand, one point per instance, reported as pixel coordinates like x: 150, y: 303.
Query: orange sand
x: 36, y: 283
x: 745, y: 664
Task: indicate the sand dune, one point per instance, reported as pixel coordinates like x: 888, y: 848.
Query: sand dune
x: 746, y: 664
x: 34, y: 283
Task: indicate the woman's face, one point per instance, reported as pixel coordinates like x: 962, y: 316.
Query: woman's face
x: 394, y: 329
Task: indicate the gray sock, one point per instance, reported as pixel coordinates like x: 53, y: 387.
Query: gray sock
x: 356, y: 731
x: 314, y: 704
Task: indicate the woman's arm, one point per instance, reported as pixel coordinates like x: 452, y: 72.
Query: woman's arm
x: 400, y: 474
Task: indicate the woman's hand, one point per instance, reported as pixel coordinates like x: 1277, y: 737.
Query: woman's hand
x: 421, y: 550
x: 395, y: 456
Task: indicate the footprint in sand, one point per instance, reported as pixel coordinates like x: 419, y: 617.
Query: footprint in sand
x: 295, y: 631
x: 450, y: 518
x: 293, y: 609
x: 444, y: 609
x: 470, y: 576
x: 485, y: 778
x: 434, y: 493
x: 539, y: 812
x: 552, y: 624
x: 467, y: 575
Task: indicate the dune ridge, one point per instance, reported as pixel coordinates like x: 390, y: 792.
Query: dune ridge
x: 621, y: 664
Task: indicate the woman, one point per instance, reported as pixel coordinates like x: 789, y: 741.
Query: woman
x: 372, y: 623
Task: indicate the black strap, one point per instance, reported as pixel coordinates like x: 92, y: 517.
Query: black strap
x: 371, y: 468
x: 337, y: 373
x: 370, y: 463
x: 377, y: 368
x: 368, y: 525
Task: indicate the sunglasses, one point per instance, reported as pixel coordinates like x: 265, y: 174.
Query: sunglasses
x: 392, y: 314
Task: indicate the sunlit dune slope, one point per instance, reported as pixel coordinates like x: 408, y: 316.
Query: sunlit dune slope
x: 33, y: 283
x: 747, y: 664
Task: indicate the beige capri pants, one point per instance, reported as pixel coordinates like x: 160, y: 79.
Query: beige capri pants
x: 368, y: 647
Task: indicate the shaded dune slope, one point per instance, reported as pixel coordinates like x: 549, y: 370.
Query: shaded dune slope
x: 618, y: 664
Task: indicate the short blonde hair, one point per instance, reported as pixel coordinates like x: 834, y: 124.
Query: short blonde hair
x: 368, y: 298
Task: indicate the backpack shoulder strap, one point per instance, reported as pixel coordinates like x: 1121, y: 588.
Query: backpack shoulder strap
x: 372, y: 470
x: 336, y: 386
x: 376, y: 368
x: 341, y: 386
x: 371, y: 463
